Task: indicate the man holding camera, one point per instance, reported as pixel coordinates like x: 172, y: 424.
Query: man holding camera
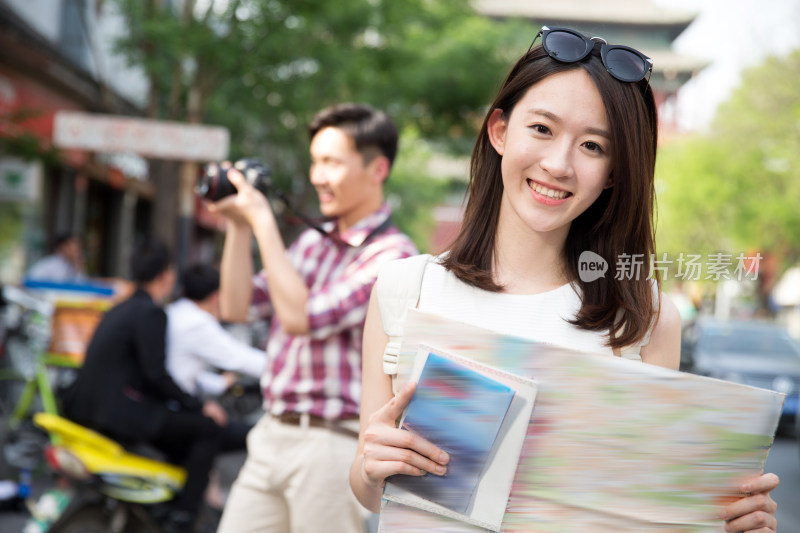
x: 295, y: 478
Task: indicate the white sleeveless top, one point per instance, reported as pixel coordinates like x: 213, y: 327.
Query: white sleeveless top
x: 540, y: 317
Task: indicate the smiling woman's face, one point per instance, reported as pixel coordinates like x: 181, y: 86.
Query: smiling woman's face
x: 556, y: 153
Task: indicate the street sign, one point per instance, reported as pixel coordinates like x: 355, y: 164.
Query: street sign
x: 158, y: 139
x: 20, y: 180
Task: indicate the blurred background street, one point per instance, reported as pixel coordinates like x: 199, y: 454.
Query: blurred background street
x: 109, y: 109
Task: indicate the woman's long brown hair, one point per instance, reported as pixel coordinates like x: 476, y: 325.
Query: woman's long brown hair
x: 619, y: 222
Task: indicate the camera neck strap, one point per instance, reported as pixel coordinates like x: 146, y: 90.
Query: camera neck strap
x: 280, y: 195
x: 386, y: 224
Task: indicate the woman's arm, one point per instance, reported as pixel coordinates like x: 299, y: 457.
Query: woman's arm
x: 754, y: 512
x: 384, y: 450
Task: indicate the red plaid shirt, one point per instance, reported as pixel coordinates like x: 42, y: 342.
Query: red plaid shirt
x: 320, y: 372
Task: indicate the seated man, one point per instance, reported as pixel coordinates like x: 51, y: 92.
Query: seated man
x: 197, y: 345
x: 124, y: 390
x: 64, y: 264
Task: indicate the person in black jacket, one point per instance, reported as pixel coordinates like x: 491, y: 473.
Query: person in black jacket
x: 124, y: 390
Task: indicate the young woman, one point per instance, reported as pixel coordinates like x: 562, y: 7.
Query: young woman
x: 563, y: 164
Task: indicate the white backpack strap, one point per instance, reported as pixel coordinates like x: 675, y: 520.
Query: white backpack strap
x: 398, y: 288
x: 634, y: 351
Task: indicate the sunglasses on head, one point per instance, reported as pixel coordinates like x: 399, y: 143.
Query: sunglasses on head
x: 569, y: 46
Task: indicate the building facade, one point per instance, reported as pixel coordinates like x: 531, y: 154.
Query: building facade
x: 55, y: 56
x: 637, y: 23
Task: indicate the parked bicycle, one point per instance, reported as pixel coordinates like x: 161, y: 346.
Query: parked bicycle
x: 25, y: 387
x: 31, y: 376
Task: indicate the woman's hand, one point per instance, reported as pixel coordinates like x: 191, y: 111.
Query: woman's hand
x: 755, y: 512
x: 388, y: 450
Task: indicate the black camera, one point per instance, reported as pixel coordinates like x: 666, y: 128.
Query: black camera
x: 213, y: 184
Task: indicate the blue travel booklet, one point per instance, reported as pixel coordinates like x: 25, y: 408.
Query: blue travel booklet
x: 461, y: 411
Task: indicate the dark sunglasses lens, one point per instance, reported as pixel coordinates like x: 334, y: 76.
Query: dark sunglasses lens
x: 565, y: 46
x: 625, y: 65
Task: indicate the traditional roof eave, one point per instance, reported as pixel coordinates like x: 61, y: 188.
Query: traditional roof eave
x: 667, y: 60
x: 620, y: 11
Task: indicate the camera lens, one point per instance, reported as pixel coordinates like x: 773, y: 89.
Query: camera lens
x: 213, y: 183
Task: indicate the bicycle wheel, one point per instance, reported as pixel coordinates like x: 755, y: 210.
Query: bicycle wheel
x: 11, y: 387
x: 96, y: 518
x: 12, y: 378
x: 90, y: 519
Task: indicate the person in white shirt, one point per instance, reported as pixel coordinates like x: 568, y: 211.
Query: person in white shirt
x: 64, y: 265
x: 198, y: 346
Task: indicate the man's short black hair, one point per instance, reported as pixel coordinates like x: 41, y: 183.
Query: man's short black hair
x: 60, y: 239
x: 368, y: 127
x: 200, y: 281
x: 151, y: 257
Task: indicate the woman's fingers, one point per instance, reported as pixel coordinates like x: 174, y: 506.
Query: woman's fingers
x: 758, y: 521
x: 382, y: 460
x: 388, y: 415
x: 378, y: 471
x: 401, y: 445
x: 388, y: 450
x: 756, y: 511
x: 757, y: 503
x: 764, y: 483
x: 394, y: 408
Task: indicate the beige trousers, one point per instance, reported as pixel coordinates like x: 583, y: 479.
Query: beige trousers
x: 296, y: 479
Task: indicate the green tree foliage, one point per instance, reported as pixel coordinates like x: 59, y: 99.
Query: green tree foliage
x: 264, y: 67
x: 695, y: 203
x: 760, y: 126
x: 414, y: 194
x: 737, y: 188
